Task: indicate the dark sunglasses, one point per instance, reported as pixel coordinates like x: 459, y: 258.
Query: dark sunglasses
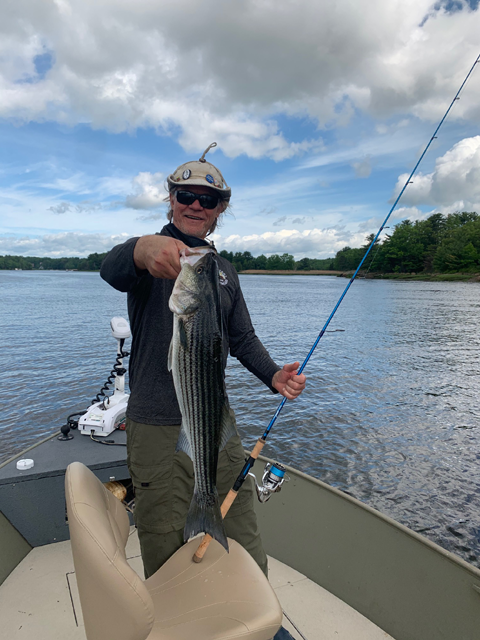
x: 206, y: 200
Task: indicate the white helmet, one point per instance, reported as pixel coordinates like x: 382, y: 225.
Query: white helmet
x: 200, y: 173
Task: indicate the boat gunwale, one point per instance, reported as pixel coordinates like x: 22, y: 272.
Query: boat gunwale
x: 337, y: 492
x: 449, y: 555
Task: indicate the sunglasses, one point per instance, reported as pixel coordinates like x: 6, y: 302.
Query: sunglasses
x: 206, y: 200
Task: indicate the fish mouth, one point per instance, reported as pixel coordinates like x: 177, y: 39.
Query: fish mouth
x: 194, y: 254
x: 184, y: 300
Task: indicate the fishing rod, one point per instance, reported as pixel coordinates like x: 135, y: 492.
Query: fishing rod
x: 200, y: 552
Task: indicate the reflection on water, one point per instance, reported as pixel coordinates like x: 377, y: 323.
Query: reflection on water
x: 390, y: 414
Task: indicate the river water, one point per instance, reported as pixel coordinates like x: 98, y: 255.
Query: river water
x: 390, y: 415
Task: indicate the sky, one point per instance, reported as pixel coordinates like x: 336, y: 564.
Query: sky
x: 320, y: 112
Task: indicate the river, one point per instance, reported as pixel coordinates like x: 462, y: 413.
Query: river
x: 390, y: 415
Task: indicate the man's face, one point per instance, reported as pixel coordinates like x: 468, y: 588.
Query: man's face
x: 193, y: 219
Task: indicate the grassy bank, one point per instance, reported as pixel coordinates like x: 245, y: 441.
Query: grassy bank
x: 424, y: 277
x: 428, y: 277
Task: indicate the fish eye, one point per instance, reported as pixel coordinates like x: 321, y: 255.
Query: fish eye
x: 199, y: 269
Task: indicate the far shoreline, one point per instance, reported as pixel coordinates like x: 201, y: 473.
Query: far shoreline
x: 286, y: 272
x: 421, y: 277
x: 425, y: 277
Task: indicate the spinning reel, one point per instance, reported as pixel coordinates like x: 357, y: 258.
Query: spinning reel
x: 272, y: 480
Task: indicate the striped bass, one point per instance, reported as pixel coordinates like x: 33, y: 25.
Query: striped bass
x: 196, y: 361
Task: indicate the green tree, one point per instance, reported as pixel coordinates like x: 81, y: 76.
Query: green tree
x: 288, y: 262
x: 274, y: 262
x: 348, y: 259
x: 460, y: 248
x: 260, y: 262
x: 304, y: 264
x: 371, y: 259
x: 403, y: 251
x: 228, y: 255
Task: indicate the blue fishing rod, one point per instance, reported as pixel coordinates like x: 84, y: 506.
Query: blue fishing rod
x: 276, y: 473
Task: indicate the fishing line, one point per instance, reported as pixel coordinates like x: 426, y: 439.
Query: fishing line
x: 407, y: 182
x: 373, y: 259
x: 293, y: 625
x: 261, y: 441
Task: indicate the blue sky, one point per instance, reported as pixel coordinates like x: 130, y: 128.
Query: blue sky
x: 319, y: 112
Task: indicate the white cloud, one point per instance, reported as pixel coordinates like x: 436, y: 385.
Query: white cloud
x: 291, y: 220
x: 372, y: 225
x: 59, y: 245
x: 314, y: 243
x: 80, y: 207
x: 412, y: 213
x: 148, y: 191
x: 63, y: 207
x: 363, y: 168
x: 453, y: 185
x: 152, y: 217
x: 231, y: 68
x: 77, y: 183
x: 112, y: 185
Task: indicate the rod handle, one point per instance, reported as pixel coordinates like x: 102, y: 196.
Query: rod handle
x: 203, y: 546
x: 257, y: 449
x: 227, y: 503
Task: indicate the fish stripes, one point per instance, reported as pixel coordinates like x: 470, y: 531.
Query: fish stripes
x: 196, y: 363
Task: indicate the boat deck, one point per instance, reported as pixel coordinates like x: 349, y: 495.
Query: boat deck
x: 40, y: 600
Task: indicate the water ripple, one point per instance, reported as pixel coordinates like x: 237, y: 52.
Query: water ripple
x: 390, y: 414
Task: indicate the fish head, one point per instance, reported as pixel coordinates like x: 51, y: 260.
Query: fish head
x: 196, y: 281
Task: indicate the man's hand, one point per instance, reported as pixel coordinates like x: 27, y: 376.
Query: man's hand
x: 160, y: 255
x: 287, y: 382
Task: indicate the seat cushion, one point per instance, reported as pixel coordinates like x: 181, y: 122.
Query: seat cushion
x: 115, y: 602
x: 226, y: 596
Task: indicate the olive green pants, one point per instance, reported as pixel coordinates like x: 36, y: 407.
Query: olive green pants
x: 163, y: 480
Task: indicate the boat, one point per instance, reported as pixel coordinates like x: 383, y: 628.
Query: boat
x: 340, y: 569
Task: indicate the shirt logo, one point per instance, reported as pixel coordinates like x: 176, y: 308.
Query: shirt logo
x: 223, y: 277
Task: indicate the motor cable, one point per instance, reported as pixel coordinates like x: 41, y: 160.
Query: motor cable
x: 118, y: 370
x: 109, y: 443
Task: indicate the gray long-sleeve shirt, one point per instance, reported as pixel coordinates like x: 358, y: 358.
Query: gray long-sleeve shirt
x: 153, y: 399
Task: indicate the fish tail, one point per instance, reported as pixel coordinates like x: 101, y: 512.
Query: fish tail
x: 204, y: 516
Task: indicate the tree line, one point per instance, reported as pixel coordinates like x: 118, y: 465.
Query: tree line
x: 285, y: 262
x: 443, y: 244
x: 241, y: 262
x: 92, y: 263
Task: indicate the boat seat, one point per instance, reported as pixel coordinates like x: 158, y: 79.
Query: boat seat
x: 225, y: 597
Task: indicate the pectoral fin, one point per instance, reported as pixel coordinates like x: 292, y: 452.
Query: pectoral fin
x: 183, y: 443
x: 183, y: 334
x: 170, y: 356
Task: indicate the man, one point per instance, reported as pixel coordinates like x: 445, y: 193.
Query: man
x: 146, y: 268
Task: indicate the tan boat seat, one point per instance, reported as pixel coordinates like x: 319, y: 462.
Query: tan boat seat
x: 225, y: 597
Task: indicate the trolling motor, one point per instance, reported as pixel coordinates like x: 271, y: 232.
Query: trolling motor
x: 108, y: 412
x: 272, y: 480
